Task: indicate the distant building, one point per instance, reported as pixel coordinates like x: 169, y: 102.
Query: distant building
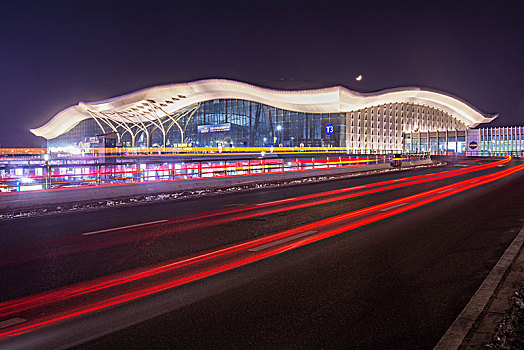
x: 496, y: 141
x: 224, y: 112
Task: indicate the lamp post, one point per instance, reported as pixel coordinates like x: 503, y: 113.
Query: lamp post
x: 46, y: 159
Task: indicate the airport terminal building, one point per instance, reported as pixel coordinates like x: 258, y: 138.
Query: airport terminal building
x: 213, y: 112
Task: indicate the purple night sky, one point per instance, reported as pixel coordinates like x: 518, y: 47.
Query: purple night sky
x: 54, y: 54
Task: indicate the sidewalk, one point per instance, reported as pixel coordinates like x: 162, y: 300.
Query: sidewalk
x: 497, y: 310
x: 475, y: 327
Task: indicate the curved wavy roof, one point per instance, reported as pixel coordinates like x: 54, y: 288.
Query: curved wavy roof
x: 142, y: 104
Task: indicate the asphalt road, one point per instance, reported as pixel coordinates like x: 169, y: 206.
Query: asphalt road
x: 397, y: 283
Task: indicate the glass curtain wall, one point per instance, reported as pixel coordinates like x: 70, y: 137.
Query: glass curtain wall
x: 433, y: 144
x: 79, y: 134
x: 241, y: 123
x: 229, y: 122
x: 442, y: 146
x: 423, y: 144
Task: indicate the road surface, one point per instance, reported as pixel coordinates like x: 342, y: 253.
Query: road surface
x: 257, y: 269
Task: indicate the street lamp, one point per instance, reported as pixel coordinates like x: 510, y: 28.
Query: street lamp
x: 278, y: 134
x: 46, y: 159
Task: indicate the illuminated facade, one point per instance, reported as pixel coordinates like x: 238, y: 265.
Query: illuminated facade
x: 224, y: 112
x: 498, y: 141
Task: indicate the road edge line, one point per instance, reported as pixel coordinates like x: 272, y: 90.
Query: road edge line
x: 459, y: 329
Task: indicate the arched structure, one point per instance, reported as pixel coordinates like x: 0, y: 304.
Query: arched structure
x: 208, y: 112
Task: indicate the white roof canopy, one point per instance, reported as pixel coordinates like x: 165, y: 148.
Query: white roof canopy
x: 156, y: 102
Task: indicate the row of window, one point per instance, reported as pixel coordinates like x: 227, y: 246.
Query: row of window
x: 505, y: 137
x: 436, y: 144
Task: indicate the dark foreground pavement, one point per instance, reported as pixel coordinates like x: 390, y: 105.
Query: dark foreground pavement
x: 398, y: 283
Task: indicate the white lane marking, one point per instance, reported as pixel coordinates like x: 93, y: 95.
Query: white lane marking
x: 123, y: 227
x: 284, y: 240
x: 393, y: 207
x: 449, y: 189
x: 353, y: 188
x: 472, y: 182
x: 11, y: 322
x: 233, y: 205
x: 279, y: 201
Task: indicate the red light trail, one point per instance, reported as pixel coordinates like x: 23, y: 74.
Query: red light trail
x: 199, y: 221
x: 212, y: 263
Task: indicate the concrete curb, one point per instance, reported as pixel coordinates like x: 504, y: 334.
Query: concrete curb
x: 498, y: 307
x: 474, y: 311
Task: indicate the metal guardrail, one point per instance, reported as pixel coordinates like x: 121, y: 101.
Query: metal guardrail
x: 52, y: 176
x: 144, y: 151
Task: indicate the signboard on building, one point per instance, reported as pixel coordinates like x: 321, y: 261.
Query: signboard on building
x: 473, y: 142
x: 209, y: 129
